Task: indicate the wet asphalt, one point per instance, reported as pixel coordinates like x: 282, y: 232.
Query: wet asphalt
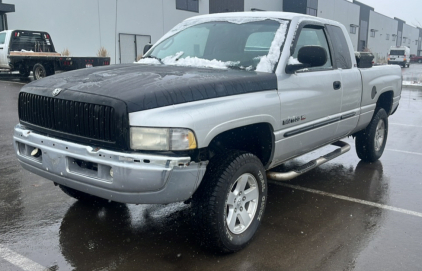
x: 352, y: 216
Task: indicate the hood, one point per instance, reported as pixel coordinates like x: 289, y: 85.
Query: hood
x: 143, y: 87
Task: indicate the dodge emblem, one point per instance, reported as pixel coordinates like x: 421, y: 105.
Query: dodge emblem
x: 57, y: 91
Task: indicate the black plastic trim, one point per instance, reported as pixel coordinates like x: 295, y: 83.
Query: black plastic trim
x: 311, y: 127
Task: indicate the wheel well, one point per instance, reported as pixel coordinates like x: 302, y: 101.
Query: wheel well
x: 257, y: 139
x: 385, y: 101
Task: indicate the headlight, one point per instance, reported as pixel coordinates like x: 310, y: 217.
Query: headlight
x: 161, y: 139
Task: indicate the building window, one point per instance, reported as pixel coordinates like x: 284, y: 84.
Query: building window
x: 311, y: 11
x: 372, y: 34
x: 416, y: 42
x: 387, y: 37
x: 353, y: 29
x: 189, y: 5
x: 312, y: 7
x: 404, y: 40
x: 409, y: 41
x: 394, y: 37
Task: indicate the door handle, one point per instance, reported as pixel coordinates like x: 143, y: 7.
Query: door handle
x: 337, y: 85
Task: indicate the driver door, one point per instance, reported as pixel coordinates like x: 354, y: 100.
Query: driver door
x: 310, y: 100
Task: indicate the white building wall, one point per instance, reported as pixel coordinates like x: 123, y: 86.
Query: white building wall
x: 379, y: 45
x: 84, y: 26
x: 341, y: 11
x: 411, y: 33
x: 268, y: 5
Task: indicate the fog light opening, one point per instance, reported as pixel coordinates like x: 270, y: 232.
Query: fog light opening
x: 36, y: 152
x: 111, y: 173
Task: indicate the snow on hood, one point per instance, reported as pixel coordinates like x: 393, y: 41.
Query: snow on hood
x: 188, y: 61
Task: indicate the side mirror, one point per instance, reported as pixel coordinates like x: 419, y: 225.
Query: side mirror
x: 147, y: 47
x: 309, y: 56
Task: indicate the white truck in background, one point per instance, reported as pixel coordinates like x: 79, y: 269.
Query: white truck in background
x: 399, y: 55
x: 26, y: 51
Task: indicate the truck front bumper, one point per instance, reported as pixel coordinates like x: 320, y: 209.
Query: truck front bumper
x: 117, y: 176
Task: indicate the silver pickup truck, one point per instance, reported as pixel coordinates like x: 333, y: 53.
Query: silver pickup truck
x: 211, y: 108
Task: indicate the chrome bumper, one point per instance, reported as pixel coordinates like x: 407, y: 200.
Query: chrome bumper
x: 117, y: 176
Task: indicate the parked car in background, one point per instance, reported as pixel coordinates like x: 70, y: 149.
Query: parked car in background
x: 416, y: 59
x: 26, y: 51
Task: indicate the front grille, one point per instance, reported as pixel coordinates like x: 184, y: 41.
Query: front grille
x: 71, y: 117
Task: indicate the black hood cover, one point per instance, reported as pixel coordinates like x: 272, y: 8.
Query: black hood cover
x: 144, y: 87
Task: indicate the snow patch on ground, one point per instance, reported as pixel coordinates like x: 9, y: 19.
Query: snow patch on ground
x: 267, y: 63
x: 412, y: 83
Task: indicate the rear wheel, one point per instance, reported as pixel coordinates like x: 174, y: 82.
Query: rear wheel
x: 420, y: 61
x: 370, y: 143
x: 40, y: 71
x: 229, y: 204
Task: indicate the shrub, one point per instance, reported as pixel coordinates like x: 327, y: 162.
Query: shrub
x: 65, y: 52
x: 102, y: 52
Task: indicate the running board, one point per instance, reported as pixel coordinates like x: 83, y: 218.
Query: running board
x: 285, y: 176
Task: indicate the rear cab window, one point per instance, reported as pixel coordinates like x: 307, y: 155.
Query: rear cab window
x: 342, y: 58
x: 31, y: 41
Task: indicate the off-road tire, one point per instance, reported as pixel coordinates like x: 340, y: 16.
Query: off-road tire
x: 81, y: 196
x: 367, y: 148
x: 210, y: 204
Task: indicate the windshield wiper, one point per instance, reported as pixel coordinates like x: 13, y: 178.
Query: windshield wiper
x: 154, y: 57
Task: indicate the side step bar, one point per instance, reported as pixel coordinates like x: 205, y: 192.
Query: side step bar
x: 285, y: 176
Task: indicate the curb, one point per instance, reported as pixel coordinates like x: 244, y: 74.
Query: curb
x: 413, y: 86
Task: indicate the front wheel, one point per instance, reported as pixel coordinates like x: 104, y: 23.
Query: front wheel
x: 229, y: 204
x: 370, y: 143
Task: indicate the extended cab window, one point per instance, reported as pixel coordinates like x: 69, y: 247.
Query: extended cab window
x: 341, y: 48
x: 2, y: 38
x: 313, y: 37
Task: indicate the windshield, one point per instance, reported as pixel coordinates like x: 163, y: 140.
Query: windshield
x: 221, y: 44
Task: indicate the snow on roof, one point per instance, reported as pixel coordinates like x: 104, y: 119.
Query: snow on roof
x: 263, y: 14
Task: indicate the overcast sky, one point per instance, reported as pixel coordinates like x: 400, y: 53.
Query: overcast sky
x: 407, y: 10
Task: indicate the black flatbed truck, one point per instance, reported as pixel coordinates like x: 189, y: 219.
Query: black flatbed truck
x: 26, y: 51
